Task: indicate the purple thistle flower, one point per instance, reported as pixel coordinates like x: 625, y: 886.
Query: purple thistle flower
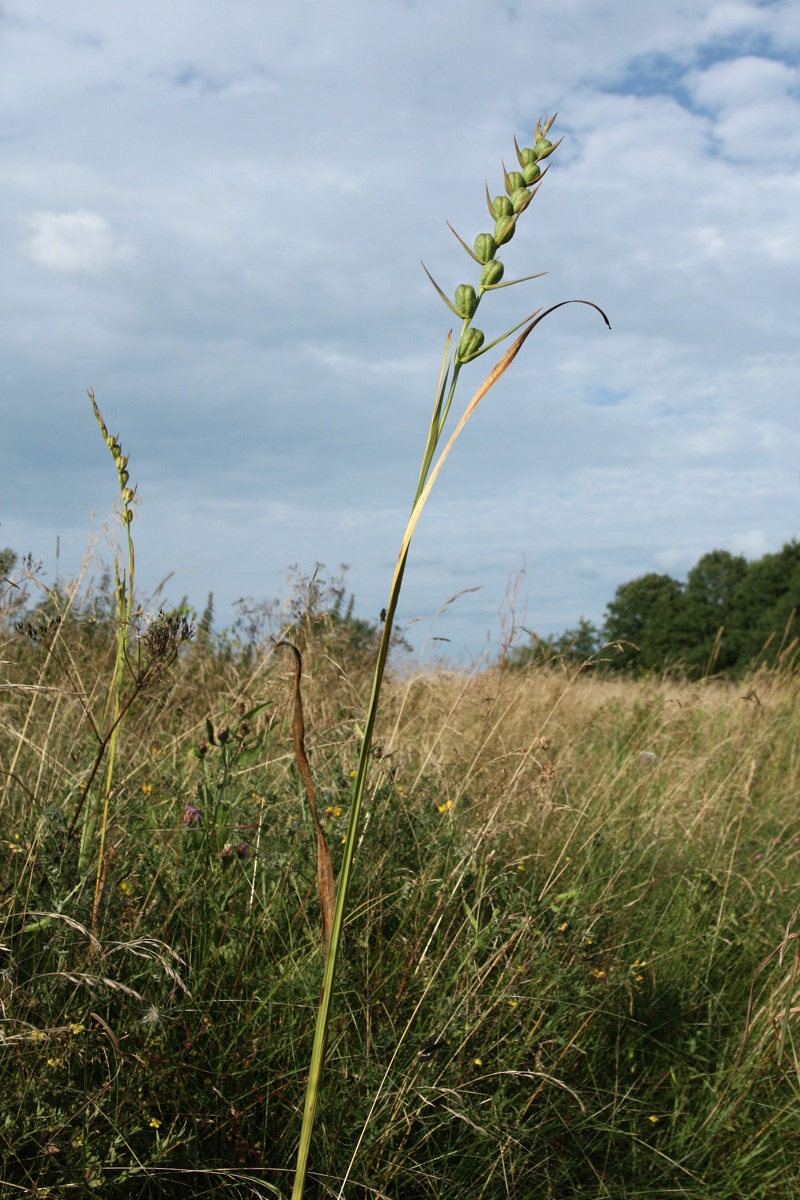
x: 243, y: 850
x: 191, y: 815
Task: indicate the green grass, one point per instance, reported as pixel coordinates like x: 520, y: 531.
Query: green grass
x: 548, y: 958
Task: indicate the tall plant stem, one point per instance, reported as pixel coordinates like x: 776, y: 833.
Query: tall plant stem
x: 426, y: 480
x: 124, y: 613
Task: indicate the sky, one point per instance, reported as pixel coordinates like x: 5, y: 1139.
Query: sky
x: 214, y: 216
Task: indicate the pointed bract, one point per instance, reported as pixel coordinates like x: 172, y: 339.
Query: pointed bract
x: 463, y: 243
x: 447, y: 301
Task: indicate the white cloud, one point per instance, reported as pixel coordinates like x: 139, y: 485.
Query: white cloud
x: 273, y: 348
x: 756, y: 106
x: 79, y: 241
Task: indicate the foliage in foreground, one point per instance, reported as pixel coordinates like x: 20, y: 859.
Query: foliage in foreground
x: 566, y: 886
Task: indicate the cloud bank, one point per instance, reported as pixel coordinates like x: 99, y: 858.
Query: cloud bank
x: 219, y: 229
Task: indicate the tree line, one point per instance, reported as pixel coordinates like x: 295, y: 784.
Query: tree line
x: 729, y: 615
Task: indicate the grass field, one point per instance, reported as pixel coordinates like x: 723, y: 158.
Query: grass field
x: 566, y: 887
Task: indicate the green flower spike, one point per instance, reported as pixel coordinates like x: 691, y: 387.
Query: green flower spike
x: 98, y: 808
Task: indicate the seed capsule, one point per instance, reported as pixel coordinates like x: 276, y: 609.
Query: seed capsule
x: 466, y: 300
x: 542, y: 148
x: 504, y: 230
x: 492, y: 272
x: 502, y: 207
x: 470, y: 343
x: 514, y: 181
x: 520, y: 199
x: 531, y: 172
x: 528, y: 156
x: 485, y: 247
x: 127, y: 495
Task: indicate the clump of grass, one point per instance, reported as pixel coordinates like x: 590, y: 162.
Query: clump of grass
x: 553, y: 942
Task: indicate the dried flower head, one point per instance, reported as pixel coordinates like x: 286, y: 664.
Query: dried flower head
x: 165, y: 633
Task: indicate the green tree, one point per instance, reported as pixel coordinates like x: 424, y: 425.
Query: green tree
x: 645, y: 619
x: 579, y: 645
x: 705, y: 641
x: 766, y: 599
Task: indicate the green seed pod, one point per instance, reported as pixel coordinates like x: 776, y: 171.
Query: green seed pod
x: 528, y: 156
x: 531, y: 172
x: 542, y: 148
x: 127, y: 495
x: 492, y: 272
x: 121, y: 462
x: 502, y: 207
x: 111, y: 442
x: 127, y: 516
x: 513, y: 181
x: 469, y: 343
x: 504, y: 230
x: 485, y: 247
x: 520, y: 199
x: 124, y: 477
x: 466, y: 300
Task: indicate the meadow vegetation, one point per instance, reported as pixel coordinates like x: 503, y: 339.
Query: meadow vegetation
x: 566, y: 884
x: 525, y: 930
